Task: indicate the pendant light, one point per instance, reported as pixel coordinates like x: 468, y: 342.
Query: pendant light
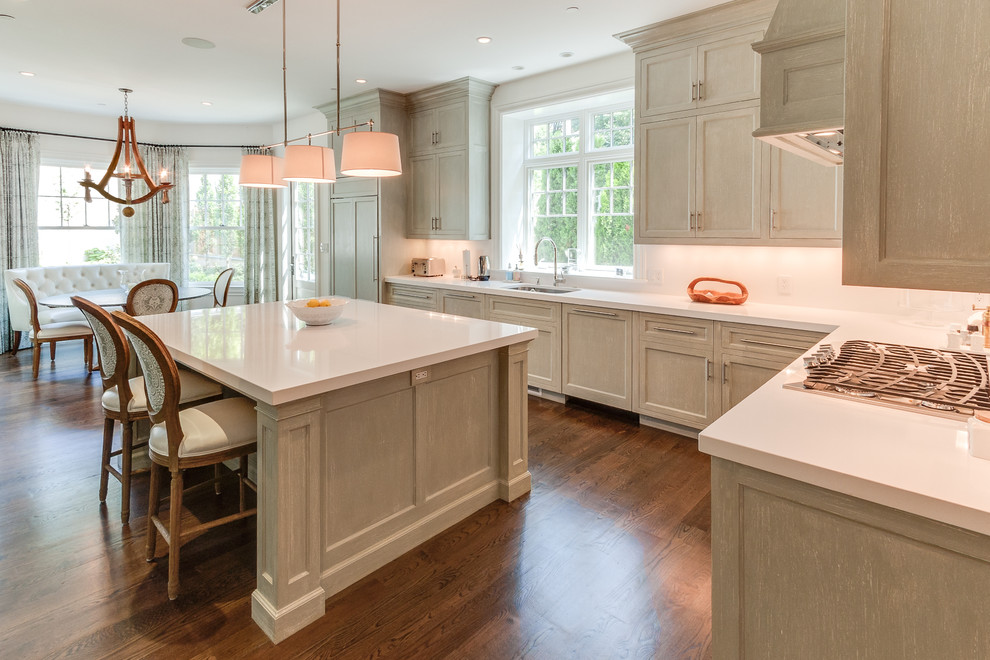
x: 363, y: 153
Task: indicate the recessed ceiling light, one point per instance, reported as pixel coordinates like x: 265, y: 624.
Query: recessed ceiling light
x: 27, y: 74
x: 567, y: 53
x: 196, y: 42
x: 360, y: 81
x: 207, y: 103
x: 484, y: 40
x: 518, y: 67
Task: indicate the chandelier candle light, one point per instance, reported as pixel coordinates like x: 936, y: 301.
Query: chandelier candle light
x: 127, y: 143
x: 363, y: 154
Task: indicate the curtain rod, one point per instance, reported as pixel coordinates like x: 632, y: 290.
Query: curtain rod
x: 147, y: 144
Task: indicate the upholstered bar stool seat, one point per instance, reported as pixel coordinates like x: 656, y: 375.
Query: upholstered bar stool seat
x: 61, y: 330
x: 194, y: 388
x: 210, y: 428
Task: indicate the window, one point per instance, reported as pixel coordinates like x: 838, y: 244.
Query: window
x: 216, y: 227
x: 579, y: 187
x: 304, y: 236
x: 70, y: 230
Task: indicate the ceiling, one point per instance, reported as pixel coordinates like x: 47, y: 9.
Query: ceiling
x: 81, y: 52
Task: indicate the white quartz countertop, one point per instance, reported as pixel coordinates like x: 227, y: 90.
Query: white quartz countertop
x: 264, y: 352
x: 906, y: 460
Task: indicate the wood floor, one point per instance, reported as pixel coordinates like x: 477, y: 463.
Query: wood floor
x: 608, y: 557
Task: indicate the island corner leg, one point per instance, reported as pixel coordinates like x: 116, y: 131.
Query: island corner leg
x: 289, y: 594
x: 514, y: 478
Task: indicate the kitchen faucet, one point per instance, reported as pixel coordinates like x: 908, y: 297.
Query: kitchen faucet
x: 557, y: 279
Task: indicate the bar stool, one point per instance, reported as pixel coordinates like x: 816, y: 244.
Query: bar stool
x: 52, y: 333
x: 207, y: 434
x: 124, y: 400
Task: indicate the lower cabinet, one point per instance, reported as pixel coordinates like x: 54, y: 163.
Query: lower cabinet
x: 544, y: 351
x: 674, y: 366
x: 461, y: 303
x: 416, y: 297
x: 597, y: 355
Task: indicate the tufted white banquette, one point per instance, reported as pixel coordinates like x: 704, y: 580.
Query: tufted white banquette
x: 50, y: 280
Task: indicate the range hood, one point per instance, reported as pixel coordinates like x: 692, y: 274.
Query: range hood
x: 802, y: 57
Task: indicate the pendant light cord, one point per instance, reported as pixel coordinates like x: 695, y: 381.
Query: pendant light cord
x: 338, y: 68
x: 285, y: 102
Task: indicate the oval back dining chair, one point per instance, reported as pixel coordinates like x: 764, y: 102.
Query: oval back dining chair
x: 152, y: 297
x: 222, y: 286
x: 124, y: 399
x: 207, y: 434
x: 52, y: 333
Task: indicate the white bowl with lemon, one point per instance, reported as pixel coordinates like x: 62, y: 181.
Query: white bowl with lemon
x: 317, y: 311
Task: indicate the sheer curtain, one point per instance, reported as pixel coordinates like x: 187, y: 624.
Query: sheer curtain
x: 158, y: 232
x: 20, y: 167
x: 260, y: 243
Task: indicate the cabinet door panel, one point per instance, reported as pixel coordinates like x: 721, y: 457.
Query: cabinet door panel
x: 729, y: 70
x: 464, y: 304
x: 666, y: 81
x: 597, y: 352
x: 423, y: 125
x: 423, y: 194
x: 728, y: 175
x: 344, y: 241
x: 366, y: 251
x: 665, y: 170
x: 741, y: 376
x: 804, y: 197
x: 676, y: 384
x: 452, y: 126
x: 452, y: 199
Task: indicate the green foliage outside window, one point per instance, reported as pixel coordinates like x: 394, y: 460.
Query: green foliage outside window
x: 216, y: 233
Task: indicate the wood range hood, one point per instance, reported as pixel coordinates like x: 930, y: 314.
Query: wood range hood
x: 802, y: 77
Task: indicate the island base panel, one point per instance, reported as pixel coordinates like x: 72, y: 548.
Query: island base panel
x: 397, y: 461
x: 800, y: 571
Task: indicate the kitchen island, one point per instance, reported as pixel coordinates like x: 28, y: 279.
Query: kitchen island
x: 375, y: 433
x: 842, y: 529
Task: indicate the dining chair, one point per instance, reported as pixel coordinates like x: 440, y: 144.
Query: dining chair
x: 124, y: 399
x: 152, y: 297
x: 206, y: 434
x: 222, y: 286
x: 52, y: 333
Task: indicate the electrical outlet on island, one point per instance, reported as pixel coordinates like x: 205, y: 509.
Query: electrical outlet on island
x: 785, y: 285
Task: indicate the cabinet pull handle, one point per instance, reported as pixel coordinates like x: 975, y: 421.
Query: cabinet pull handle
x: 725, y: 377
x: 462, y: 296
x: 708, y: 369
x: 405, y: 294
x: 701, y: 90
x: 660, y: 328
x: 374, y: 258
x: 697, y: 224
x: 691, y: 221
x: 757, y: 342
x: 595, y: 312
x: 438, y: 137
x: 439, y: 224
x: 773, y: 219
x: 694, y: 91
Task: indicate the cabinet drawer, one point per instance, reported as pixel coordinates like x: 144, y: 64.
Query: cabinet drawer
x: 463, y: 303
x: 413, y: 296
x: 514, y: 309
x: 767, y: 340
x: 676, y: 329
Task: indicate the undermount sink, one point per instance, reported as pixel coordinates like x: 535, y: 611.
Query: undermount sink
x: 534, y: 288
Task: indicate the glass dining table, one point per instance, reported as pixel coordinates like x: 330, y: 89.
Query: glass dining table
x: 115, y: 297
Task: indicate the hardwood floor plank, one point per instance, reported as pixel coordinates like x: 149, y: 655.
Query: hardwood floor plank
x: 608, y: 556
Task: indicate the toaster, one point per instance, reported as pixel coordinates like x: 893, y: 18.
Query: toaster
x: 428, y: 267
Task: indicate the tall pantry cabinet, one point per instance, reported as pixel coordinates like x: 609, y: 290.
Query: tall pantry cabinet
x: 367, y: 215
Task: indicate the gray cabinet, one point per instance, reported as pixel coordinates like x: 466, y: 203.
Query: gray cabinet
x: 805, y: 199
x: 415, y: 297
x: 463, y: 303
x: 916, y: 193
x: 354, y: 250
x: 448, y: 178
x: 674, y: 369
x: 544, y: 351
x: 597, y: 355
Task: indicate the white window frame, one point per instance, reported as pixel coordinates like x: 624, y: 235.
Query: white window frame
x: 70, y: 163
x: 584, y: 159
x: 194, y: 173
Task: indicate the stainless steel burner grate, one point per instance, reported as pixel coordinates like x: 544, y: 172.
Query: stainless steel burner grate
x: 934, y: 381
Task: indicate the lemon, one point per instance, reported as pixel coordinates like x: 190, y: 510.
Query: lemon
x: 312, y: 302
x: 324, y: 303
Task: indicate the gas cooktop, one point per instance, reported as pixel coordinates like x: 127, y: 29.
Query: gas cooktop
x: 942, y: 382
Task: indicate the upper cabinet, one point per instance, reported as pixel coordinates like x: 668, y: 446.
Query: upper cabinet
x: 712, y: 73
x: 917, y: 162
x: 449, y: 161
x: 701, y: 177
